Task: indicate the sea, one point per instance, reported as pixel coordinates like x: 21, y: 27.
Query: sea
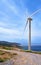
x: 34, y: 48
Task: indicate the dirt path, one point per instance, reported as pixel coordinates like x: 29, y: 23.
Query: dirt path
x: 28, y: 59
x: 24, y: 58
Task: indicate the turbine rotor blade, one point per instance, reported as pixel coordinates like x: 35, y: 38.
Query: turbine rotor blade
x: 26, y: 25
x: 35, y: 12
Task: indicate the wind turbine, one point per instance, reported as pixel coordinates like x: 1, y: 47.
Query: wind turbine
x: 29, y: 19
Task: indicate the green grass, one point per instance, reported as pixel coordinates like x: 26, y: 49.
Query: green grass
x: 30, y: 51
x: 1, y: 53
x: 2, y: 60
x: 7, y: 48
x: 36, y: 52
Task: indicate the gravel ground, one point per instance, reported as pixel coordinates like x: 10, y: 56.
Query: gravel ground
x: 24, y: 58
x: 28, y: 59
x: 9, y: 62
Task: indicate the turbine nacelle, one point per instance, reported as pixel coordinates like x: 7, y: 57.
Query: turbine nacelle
x: 29, y: 19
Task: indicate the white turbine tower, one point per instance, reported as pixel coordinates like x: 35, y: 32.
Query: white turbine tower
x: 29, y: 19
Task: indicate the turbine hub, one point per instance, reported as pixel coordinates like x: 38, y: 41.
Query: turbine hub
x: 30, y: 19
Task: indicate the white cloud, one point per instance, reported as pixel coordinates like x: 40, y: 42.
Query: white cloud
x: 7, y: 24
x: 13, y: 7
x: 10, y: 32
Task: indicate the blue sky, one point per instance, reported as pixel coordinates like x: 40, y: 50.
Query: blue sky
x: 13, y: 16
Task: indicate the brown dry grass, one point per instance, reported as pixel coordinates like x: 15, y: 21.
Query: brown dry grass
x: 6, y: 55
x: 9, y: 48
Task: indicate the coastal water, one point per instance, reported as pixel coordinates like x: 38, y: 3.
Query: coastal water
x: 34, y: 48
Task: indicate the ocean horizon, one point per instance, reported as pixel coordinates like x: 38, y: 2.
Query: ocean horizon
x: 34, y: 48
